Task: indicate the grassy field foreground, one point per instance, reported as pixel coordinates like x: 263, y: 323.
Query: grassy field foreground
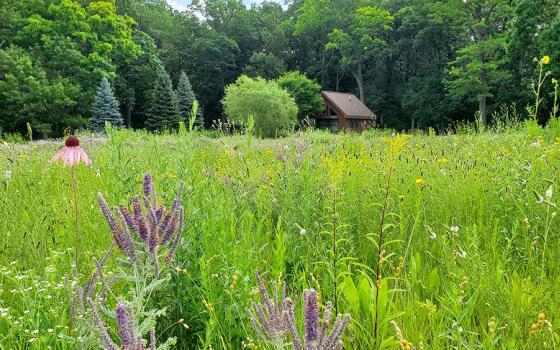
x: 457, y: 235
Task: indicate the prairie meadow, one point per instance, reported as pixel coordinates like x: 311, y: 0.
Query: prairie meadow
x: 427, y: 242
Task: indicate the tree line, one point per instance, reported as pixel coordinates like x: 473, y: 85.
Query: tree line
x: 416, y: 63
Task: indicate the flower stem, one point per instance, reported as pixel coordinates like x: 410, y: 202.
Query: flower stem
x: 77, y: 227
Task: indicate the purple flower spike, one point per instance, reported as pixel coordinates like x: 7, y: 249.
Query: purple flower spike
x: 170, y: 228
x: 122, y: 238
x: 148, y: 185
x: 136, y: 208
x: 106, y: 341
x: 153, y: 240
x: 125, y: 330
x: 127, y: 215
x: 311, y: 310
x: 143, y: 230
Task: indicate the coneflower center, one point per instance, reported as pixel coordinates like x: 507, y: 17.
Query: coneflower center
x: 72, y: 141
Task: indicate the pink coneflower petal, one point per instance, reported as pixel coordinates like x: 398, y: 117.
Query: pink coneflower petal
x: 72, y: 154
x: 85, y: 157
x: 58, y: 155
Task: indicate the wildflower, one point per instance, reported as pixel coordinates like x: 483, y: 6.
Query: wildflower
x: 311, y: 306
x: 7, y: 175
x: 454, y: 229
x: 460, y: 253
x: 431, y: 232
x: 122, y: 237
x: 279, y: 320
x: 545, y: 59
x: 420, y: 181
x: 104, y: 336
x: 269, y: 325
x: 125, y: 330
x: 548, y: 192
x: 72, y: 153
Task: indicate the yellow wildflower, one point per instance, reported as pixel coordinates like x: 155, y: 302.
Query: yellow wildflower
x: 420, y: 181
x: 545, y: 59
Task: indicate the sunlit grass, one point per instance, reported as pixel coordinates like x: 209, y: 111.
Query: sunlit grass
x: 469, y: 257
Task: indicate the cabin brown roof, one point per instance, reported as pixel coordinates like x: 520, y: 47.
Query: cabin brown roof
x: 348, y: 105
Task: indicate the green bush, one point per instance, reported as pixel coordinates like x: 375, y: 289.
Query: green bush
x: 305, y: 91
x: 273, y: 109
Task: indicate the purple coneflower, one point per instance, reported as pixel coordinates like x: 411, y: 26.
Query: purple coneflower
x: 72, y: 154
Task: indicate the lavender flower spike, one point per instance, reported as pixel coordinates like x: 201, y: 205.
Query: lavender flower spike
x: 106, y: 340
x: 270, y: 325
x: 122, y: 238
x: 311, y: 311
x: 128, y: 218
x: 125, y: 330
x: 149, y: 189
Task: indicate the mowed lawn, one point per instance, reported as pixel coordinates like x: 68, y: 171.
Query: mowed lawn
x: 470, y: 254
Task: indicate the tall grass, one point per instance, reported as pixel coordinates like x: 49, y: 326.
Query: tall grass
x: 465, y: 255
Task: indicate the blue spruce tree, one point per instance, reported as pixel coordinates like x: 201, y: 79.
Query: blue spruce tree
x: 105, y: 108
x: 186, y: 98
x: 164, y: 111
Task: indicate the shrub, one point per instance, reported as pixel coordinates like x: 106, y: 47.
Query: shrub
x: 273, y: 109
x: 305, y: 91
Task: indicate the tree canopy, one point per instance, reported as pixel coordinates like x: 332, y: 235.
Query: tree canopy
x: 425, y: 63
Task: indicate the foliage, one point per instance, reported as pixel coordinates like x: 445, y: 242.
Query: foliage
x: 364, y: 40
x: 105, y: 108
x: 264, y: 65
x: 305, y: 92
x: 27, y: 95
x: 478, y: 68
x: 185, y: 96
x: 164, y: 110
x: 273, y: 108
x: 466, y: 231
x: 80, y: 43
x: 417, y: 64
x: 148, y: 235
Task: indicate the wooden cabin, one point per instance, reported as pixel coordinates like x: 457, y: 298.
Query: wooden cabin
x: 344, y: 111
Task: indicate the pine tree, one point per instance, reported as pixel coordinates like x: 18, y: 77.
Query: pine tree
x: 105, y: 108
x: 164, y: 111
x: 186, y: 98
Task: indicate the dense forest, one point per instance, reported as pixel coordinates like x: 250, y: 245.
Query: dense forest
x: 416, y: 63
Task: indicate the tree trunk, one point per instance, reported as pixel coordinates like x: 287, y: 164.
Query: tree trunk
x: 129, y: 116
x: 359, y: 77
x: 482, y: 109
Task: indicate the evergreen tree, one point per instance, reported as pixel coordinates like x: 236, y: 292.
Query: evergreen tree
x: 185, y: 99
x: 164, y: 110
x: 185, y: 96
x: 105, y: 108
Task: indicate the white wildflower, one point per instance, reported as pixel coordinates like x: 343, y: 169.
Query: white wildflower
x: 548, y: 192
x: 431, y: 232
